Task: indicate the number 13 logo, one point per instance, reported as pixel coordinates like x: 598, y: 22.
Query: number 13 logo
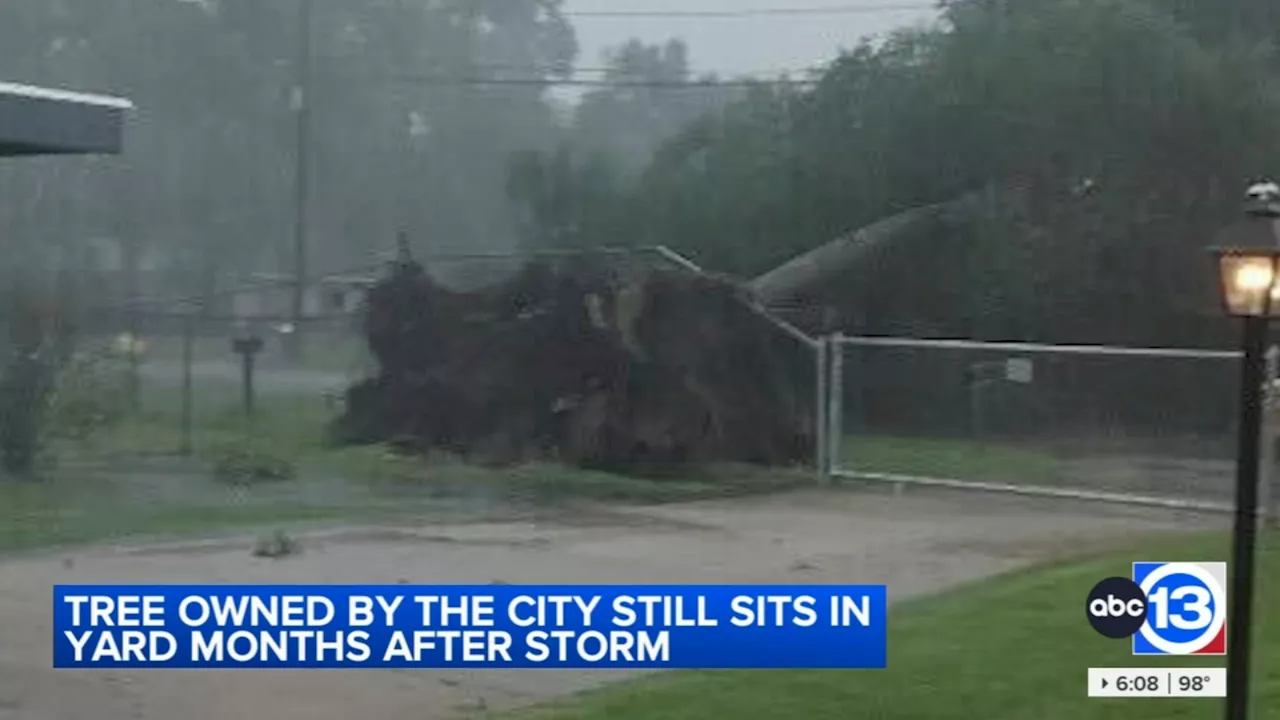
x: 1186, y: 608
x: 1196, y: 603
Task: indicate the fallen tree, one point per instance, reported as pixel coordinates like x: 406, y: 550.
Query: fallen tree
x: 619, y: 369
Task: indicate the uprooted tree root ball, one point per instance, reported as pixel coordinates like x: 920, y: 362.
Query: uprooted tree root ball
x: 623, y: 370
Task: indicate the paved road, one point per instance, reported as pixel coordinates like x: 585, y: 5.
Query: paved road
x: 916, y: 544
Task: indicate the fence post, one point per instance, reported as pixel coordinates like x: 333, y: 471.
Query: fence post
x: 835, y: 421
x: 820, y: 411
x: 246, y: 382
x: 135, y: 370
x: 188, y: 340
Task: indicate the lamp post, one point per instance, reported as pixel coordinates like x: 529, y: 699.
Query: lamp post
x: 1250, y: 285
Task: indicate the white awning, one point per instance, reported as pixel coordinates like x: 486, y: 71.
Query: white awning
x: 32, y: 91
x: 46, y: 121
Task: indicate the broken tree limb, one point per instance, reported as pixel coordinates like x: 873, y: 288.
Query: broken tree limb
x: 752, y: 303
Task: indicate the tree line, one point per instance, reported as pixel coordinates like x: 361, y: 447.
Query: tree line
x: 1115, y: 138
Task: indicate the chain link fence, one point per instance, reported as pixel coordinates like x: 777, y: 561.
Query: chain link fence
x: 154, y: 385
x: 1134, y: 425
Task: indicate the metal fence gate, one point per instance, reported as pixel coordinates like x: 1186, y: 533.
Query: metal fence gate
x: 1140, y: 426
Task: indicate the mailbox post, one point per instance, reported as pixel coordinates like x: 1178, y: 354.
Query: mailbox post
x: 247, y: 347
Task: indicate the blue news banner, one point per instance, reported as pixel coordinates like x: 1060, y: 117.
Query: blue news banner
x: 487, y: 626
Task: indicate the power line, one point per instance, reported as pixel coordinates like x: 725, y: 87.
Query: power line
x: 562, y: 70
x: 580, y: 69
x: 758, y: 12
x: 557, y: 76
x: 302, y: 167
x: 444, y: 80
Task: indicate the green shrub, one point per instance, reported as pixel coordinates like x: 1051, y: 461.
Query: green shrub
x: 24, y: 393
x: 91, y: 393
x: 276, y: 545
x: 248, y: 463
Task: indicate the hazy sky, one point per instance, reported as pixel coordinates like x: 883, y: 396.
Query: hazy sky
x: 757, y: 45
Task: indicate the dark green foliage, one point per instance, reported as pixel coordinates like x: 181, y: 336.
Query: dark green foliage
x: 1119, y: 134
x: 626, y: 123
x: 21, y: 397
x: 39, y: 341
x: 577, y: 195
x: 1116, y: 138
x: 565, y: 202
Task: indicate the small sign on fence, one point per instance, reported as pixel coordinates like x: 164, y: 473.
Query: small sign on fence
x: 1019, y: 370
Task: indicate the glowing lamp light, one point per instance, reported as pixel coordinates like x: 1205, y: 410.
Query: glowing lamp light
x: 1248, y: 280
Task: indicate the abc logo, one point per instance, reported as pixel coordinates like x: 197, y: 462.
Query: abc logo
x: 1117, y: 607
x: 1167, y: 608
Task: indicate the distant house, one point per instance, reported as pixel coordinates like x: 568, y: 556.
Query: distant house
x: 270, y: 297
x: 103, y: 260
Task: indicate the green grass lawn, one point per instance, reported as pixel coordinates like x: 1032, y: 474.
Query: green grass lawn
x: 117, y: 483
x: 959, y: 459
x: 292, y: 427
x: 331, y: 351
x: 33, y: 523
x: 129, y: 479
x: 293, y: 423
x: 77, y: 505
x: 1013, y: 648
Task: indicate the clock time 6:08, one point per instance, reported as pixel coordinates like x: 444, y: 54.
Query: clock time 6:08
x: 1138, y: 683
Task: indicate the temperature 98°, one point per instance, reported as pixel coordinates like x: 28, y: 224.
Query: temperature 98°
x: 1192, y: 683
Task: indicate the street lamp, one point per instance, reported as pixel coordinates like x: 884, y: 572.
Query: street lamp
x: 1250, y: 286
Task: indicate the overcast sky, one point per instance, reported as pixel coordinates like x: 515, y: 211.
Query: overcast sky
x: 756, y: 45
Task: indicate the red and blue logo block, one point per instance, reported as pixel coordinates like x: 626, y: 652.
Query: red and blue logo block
x: 1186, y: 608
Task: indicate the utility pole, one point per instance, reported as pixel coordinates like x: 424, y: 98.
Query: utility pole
x: 302, y: 179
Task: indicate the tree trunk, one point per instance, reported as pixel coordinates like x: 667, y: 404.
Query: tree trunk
x: 806, y: 273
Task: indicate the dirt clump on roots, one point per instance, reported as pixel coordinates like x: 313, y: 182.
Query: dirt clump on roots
x: 635, y: 370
